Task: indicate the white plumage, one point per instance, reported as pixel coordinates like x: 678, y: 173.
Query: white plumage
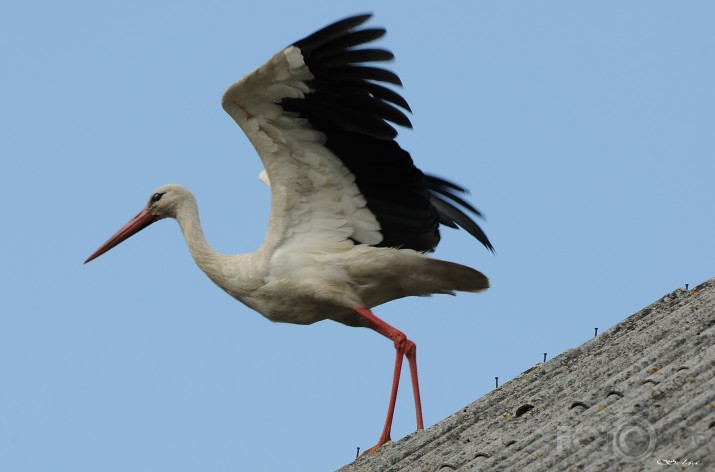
x: 312, y: 192
x: 351, y: 216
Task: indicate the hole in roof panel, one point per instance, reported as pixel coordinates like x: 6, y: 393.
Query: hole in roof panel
x: 523, y: 409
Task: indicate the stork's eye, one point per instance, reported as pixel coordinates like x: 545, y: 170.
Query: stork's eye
x: 156, y: 197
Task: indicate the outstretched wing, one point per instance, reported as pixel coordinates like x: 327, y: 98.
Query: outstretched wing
x: 322, y: 125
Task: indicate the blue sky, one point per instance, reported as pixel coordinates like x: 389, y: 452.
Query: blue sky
x: 584, y: 130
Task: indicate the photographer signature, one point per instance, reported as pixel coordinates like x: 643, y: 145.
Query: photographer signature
x: 676, y: 462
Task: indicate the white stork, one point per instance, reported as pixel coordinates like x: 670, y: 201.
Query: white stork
x: 351, y: 216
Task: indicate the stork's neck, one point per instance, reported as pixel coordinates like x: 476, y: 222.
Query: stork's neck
x: 236, y: 273
x: 188, y: 217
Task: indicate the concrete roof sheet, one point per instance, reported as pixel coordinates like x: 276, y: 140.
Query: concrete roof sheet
x: 639, y: 396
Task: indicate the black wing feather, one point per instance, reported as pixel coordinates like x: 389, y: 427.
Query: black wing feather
x: 357, y: 56
x: 449, y: 190
x: 353, y: 111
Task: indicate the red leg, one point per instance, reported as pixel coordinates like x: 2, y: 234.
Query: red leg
x: 403, y: 347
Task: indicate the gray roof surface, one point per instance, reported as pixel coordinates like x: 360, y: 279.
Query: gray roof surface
x: 639, y: 396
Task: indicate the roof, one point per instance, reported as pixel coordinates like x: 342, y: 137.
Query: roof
x: 636, y: 397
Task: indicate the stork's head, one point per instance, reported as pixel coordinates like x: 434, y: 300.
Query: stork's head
x: 164, y: 202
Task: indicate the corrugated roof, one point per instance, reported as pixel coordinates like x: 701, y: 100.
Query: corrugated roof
x: 640, y: 396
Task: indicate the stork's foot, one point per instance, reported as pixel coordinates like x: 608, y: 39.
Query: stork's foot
x: 375, y: 447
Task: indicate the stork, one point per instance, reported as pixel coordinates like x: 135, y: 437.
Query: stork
x: 352, y: 219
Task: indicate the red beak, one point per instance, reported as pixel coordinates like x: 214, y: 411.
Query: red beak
x: 136, y: 224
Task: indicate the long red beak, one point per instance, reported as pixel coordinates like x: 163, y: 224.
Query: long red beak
x: 136, y: 224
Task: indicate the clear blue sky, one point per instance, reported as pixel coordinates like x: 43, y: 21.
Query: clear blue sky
x: 584, y: 130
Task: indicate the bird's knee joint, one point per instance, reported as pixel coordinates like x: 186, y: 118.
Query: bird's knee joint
x: 410, y: 349
x: 399, y: 339
x: 405, y: 345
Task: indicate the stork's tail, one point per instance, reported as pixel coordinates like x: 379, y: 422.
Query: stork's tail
x: 449, y: 277
x: 406, y: 273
